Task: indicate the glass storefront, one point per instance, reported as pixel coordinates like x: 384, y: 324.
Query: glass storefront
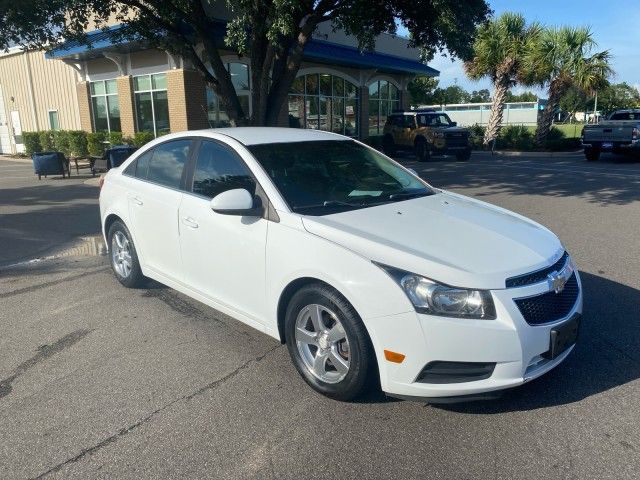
x: 104, y: 106
x: 240, y: 78
x: 152, y: 105
x: 384, y: 97
x: 324, y: 102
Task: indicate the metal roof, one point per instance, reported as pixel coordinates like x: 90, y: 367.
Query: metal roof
x: 319, y: 51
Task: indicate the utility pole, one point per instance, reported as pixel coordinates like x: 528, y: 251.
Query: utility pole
x: 595, y: 107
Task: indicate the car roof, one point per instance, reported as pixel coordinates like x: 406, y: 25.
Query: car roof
x: 261, y: 135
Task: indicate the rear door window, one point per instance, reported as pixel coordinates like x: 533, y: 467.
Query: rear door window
x: 166, y: 165
x: 218, y: 168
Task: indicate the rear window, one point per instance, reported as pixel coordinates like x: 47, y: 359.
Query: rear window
x: 625, y: 116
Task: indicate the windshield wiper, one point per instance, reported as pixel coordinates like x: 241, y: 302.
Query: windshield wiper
x: 408, y: 195
x: 327, y: 203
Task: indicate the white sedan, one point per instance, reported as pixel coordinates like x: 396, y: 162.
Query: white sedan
x: 367, y: 273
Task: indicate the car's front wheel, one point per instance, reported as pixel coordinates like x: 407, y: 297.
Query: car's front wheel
x: 123, y: 256
x: 328, y: 343
x: 422, y: 150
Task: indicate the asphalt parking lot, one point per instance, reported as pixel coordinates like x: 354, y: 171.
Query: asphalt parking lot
x: 97, y: 381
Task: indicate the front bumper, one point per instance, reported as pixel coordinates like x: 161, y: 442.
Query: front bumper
x: 515, y: 347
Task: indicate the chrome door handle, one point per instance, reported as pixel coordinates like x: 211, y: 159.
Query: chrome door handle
x: 137, y: 200
x: 190, y: 222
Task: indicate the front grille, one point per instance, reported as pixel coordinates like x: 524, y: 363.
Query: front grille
x: 537, y: 276
x: 550, y: 306
x: 457, y: 139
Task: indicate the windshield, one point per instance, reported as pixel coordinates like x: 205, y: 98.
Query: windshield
x: 323, y: 177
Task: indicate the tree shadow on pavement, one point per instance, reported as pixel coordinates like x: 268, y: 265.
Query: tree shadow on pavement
x: 605, y: 357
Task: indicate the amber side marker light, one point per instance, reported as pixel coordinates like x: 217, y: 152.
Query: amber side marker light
x: 393, y: 356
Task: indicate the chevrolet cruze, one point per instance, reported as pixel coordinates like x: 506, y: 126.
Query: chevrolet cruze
x: 366, y: 272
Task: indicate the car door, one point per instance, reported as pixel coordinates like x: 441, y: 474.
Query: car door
x: 154, y: 199
x: 223, y: 255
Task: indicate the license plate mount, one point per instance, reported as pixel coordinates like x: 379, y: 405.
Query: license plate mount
x: 563, y: 337
x: 607, y: 145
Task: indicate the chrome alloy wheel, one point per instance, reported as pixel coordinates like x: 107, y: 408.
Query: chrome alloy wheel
x: 121, y: 254
x: 322, y: 343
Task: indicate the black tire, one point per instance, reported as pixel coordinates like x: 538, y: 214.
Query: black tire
x: 464, y: 156
x: 592, y: 154
x: 422, y: 150
x: 134, y: 278
x: 389, y: 146
x: 362, y: 372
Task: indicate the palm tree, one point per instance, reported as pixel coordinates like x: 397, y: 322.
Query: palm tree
x: 562, y: 58
x: 497, y: 52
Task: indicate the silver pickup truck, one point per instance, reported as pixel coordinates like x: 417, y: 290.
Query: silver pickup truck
x: 619, y: 133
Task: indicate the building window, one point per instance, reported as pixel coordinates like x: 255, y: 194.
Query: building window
x: 324, y: 102
x: 240, y: 78
x: 53, y: 120
x: 384, y: 97
x: 152, y: 106
x: 104, y: 106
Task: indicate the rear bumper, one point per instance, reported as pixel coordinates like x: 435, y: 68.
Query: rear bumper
x: 630, y: 145
x: 515, y: 347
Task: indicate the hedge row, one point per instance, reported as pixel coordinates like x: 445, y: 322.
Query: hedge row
x: 520, y: 137
x: 78, y: 143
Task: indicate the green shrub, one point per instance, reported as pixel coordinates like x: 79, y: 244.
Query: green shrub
x: 31, y: 142
x: 46, y: 140
x: 78, y: 143
x: 115, y: 138
x: 564, y: 144
x: 476, y: 136
x: 516, y: 137
x: 61, y: 142
x: 555, y: 134
x: 141, y: 138
x: 95, y: 143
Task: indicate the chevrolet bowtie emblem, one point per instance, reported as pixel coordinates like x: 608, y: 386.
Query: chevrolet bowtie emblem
x: 557, y: 281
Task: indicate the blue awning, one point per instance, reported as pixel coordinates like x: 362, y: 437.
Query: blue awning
x: 335, y: 54
x: 316, y: 50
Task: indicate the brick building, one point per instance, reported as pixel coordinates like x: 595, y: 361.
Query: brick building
x: 129, y: 88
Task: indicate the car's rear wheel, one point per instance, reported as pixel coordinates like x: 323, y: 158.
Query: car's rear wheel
x: 328, y: 343
x: 123, y: 256
x: 388, y: 145
x: 592, y: 154
x: 422, y: 150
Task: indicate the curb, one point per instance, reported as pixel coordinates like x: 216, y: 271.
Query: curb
x: 530, y: 154
x: 94, y: 182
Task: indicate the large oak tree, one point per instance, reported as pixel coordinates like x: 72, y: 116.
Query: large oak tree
x: 272, y: 33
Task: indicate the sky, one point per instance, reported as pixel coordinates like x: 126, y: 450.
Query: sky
x: 615, y: 25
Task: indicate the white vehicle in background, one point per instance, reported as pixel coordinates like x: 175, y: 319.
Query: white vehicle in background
x: 365, y: 271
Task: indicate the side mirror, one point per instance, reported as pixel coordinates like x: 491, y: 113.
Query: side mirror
x: 236, y: 202
x: 454, y: 124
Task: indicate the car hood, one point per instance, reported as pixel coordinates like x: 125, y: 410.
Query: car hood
x: 446, y: 237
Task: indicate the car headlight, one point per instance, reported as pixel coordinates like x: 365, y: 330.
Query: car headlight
x: 433, y: 298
